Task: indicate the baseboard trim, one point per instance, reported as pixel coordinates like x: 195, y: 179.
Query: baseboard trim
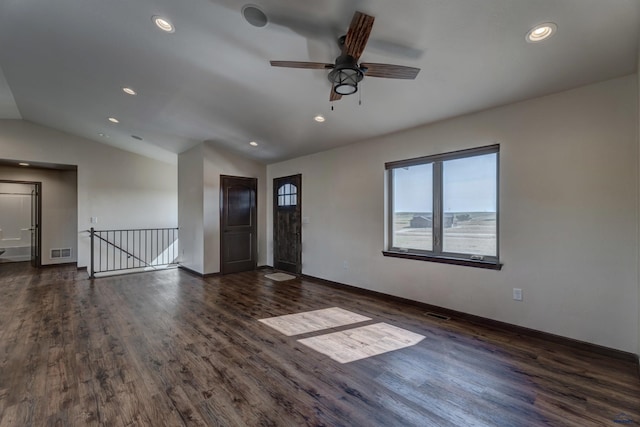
x: 63, y: 264
x: 195, y: 273
x: 484, y: 321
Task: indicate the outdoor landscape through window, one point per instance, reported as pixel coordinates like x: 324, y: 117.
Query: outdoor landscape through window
x: 460, y: 192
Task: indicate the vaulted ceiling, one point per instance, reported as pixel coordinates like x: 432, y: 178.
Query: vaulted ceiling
x: 63, y: 64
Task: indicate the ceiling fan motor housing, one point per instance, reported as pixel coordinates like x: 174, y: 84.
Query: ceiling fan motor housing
x: 346, y: 75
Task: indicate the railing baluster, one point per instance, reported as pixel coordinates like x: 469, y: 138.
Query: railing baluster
x: 134, y: 246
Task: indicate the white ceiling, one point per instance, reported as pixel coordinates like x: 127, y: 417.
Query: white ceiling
x: 65, y: 61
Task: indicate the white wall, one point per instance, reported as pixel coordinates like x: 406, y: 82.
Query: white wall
x: 59, y: 208
x: 638, y: 230
x: 190, y: 208
x: 122, y: 189
x: 199, y: 171
x: 568, y: 215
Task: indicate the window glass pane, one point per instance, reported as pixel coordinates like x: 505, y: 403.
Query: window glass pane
x: 280, y: 200
x: 281, y: 190
x: 294, y: 189
x: 413, y: 207
x: 294, y: 199
x: 470, y: 205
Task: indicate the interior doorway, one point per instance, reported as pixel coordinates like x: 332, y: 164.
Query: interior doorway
x: 238, y: 224
x: 20, y: 219
x: 287, y: 223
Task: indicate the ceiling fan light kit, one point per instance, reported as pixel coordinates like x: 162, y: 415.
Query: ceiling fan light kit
x: 345, y: 73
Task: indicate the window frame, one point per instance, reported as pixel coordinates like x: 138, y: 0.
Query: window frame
x: 437, y: 254
x: 290, y: 194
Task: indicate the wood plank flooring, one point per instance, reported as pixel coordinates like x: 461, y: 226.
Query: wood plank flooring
x: 171, y: 349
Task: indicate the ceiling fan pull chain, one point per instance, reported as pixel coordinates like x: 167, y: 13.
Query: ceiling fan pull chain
x: 360, y: 96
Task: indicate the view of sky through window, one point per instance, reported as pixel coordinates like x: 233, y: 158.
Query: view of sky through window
x: 469, y: 186
x: 413, y: 187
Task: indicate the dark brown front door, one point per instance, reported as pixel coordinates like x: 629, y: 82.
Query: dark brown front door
x: 287, y: 223
x: 238, y: 241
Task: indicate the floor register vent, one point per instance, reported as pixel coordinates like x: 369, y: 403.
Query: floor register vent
x: 437, y: 316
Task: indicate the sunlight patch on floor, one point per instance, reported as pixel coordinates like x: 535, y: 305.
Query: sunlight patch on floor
x: 360, y: 343
x: 312, y: 321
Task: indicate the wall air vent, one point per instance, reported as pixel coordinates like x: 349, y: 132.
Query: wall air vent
x: 60, y: 253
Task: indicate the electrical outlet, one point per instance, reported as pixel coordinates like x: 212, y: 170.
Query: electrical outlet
x: 517, y: 294
x: 345, y: 265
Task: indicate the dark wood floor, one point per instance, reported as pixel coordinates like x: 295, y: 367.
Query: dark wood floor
x: 169, y: 348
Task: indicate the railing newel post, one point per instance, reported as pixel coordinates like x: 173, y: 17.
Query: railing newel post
x: 92, y: 256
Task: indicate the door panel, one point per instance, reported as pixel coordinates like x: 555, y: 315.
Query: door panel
x: 35, y: 225
x: 238, y: 224
x: 239, y: 206
x: 238, y: 247
x: 287, y: 223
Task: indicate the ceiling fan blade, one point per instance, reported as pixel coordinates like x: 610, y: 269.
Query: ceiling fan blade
x: 334, y: 96
x: 302, y: 64
x: 358, y: 34
x: 389, y: 71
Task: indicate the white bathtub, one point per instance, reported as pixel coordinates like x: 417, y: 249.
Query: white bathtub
x: 15, y: 253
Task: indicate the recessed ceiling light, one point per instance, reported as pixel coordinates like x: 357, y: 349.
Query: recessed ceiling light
x: 319, y: 118
x: 253, y: 144
x: 129, y: 91
x: 163, y: 24
x: 23, y: 164
x: 541, y: 32
x: 114, y: 120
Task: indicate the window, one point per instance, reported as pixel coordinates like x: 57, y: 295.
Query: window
x: 444, y: 208
x: 287, y: 195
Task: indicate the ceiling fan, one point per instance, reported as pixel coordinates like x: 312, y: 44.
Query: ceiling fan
x: 346, y: 73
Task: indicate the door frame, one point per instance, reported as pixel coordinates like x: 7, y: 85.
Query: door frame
x: 37, y: 262
x: 254, y: 241
x: 275, y: 218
